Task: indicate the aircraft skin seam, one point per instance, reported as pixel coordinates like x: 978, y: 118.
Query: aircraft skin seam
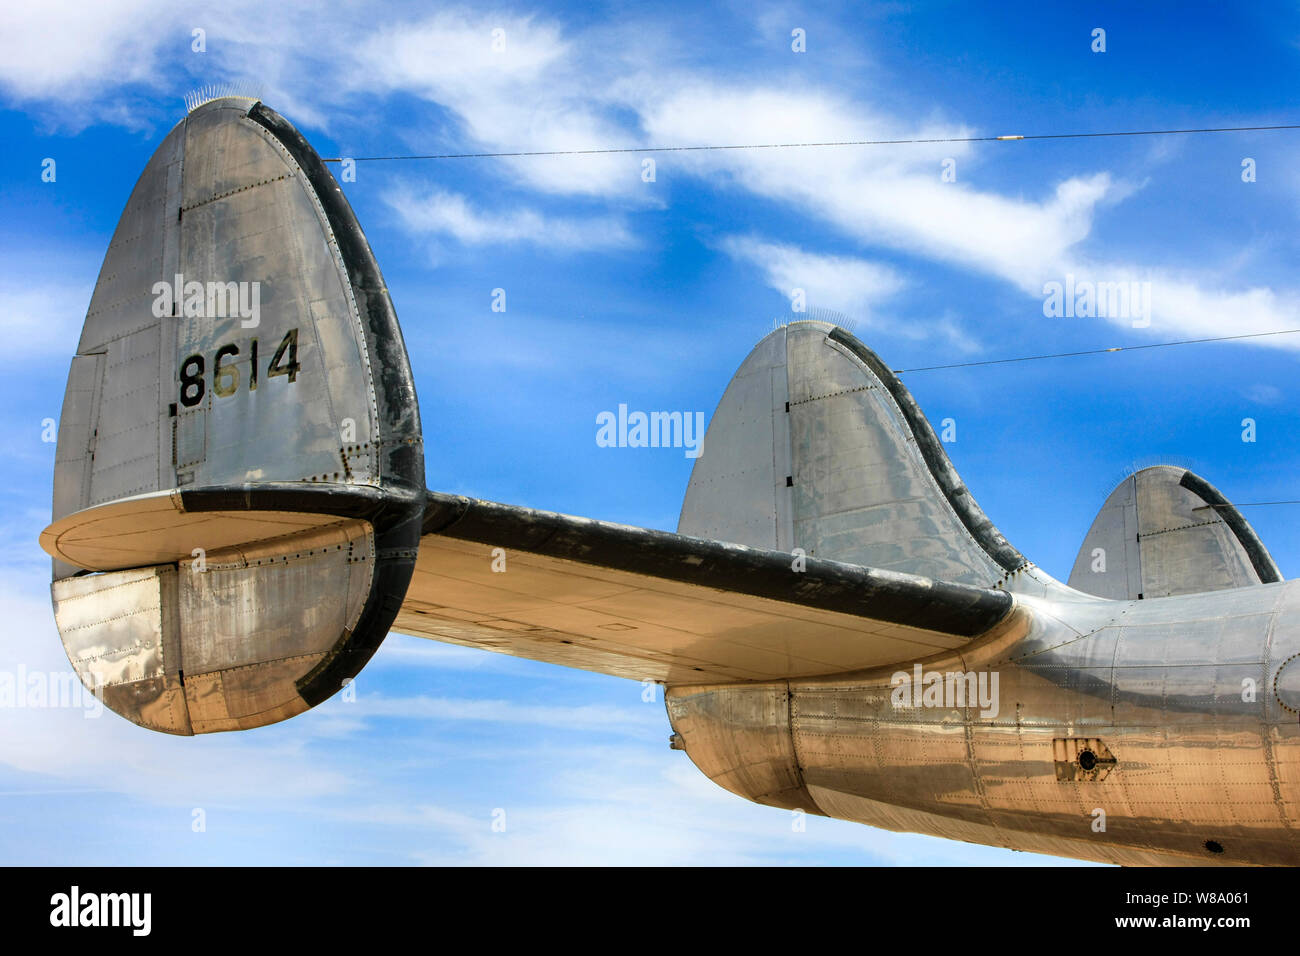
x: 792, y: 728
x: 238, y: 189
x: 1183, y: 527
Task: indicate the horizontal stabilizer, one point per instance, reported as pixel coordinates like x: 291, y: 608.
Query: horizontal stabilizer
x: 651, y: 605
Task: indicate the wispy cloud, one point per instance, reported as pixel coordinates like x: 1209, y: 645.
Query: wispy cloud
x: 587, y: 719
x: 44, y: 314
x: 439, y: 212
x: 513, y: 81
x: 404, y: 651
x: 836, y: 282
x: 75, y: 51
x: 1262, y: 394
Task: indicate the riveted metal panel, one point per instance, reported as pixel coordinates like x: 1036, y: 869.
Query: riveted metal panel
x: 1109, y: 563
x: 251, y: 217
x: 121, y: 636
x: 113, y: 624
x: 126, y: 428
x: 275, y: 599
x: 222, y: 642
x: 248, y: 380
x: 1196, y: 760
x: 128, y: 434
x: 741, y: 740
x: 862, y: 491
x: 122, y: 302
x: 737, y: 490
x: 1158, y: 534
x: 810, y: 448
x: 190, y: 446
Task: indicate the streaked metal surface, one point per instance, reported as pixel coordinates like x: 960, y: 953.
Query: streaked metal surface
x: 255, y: 537
x: 251, y: 216
x: 655, y: 606
x: 217, y: 646
x: 113, y: 438
x: 121, y: 635
x: 755, y: 758
x: 1158, y: 682
x: 858, y: 488
x: 1155, y: 537
x: 75, y: 450
x: 261, y: 617
x: 224, y: 201
x: 738, y: 490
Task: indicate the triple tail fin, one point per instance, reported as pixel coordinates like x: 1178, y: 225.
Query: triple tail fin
x: 240, y: 513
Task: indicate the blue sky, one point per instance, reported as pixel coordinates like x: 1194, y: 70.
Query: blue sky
x: 651, y: 294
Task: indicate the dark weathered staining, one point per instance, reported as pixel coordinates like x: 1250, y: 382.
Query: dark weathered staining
x: 936, y: 459
x: 1260, y: 559
x: 955, y: 609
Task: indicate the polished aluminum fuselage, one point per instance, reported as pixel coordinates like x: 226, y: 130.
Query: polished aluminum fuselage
x: 1196, y: 756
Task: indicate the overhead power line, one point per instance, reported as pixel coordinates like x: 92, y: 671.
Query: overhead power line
x: 1117, y: 348
x: 596, y: 151
x: 891, y: 142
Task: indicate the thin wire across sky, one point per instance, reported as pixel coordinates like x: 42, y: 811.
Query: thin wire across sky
x: 596, y: 151
x: 605, y: 150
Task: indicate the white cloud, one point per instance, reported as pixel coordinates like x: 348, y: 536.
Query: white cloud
x: 947, y: 328
x: 1262, y: 394
x: 883, y: 196
x: 43, y: 315
x: 845, y: 284
x: 585, y: 719
x: 438, y: 212
x: 473, y: 59
x: 893, y: 198
x: 534, y: 94
x: 552, y: 88
x: 77, y: 51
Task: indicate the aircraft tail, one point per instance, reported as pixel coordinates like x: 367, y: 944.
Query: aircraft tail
x: 817, y: 445
x: 1164, y: 531
x: 239, y: 502
x: 239, y: 452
